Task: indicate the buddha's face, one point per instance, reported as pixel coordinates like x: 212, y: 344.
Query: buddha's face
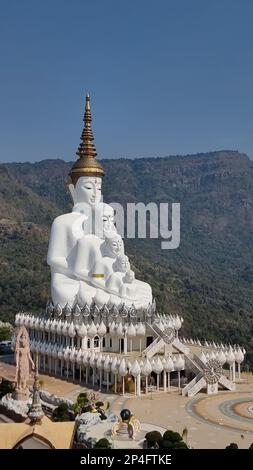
x: 87, y: 189
x: 130, y: 276
x: 108, y: 219
x: 115, y: 245
x: 123, y: 263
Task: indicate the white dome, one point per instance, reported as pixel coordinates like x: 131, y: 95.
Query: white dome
x: 82, y: 331
x: 92, y: 360
x: 92, y: 330
x: 179, y: 364
x: 66, y: 353
x: 39, y: 324
x: 100, y: 362
x: 135, y: 369
x: 158, y: 366
x: 112, y: 327
x: 85, y: 358
x: 59, y: 327
x: 177, y: 323
x: 221, y: 357
x: 72, y: 355
x: 203, y: 357
x: 60, y: 352
x: 17, y: 319
x: 147, y: 368
x: 27, y: 321
x: 122, y: 368
x: 239, y: 356
x: 101, y: 329
x: 54, y: 351
x: 107, y: 364
x: 47, y: 326
x: 168, y: 366
x: 131, y: 331
x: 114, y: 366
x: 65, y: 328
x: 119, y: 330
x: 141, y: 330
x: 71, y: 330
x: 230, y: 356
x: 212, y: 355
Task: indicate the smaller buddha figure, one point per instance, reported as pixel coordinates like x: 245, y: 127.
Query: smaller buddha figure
x: 110, y: 249
x: 128, y: 288
x: 24, y: 363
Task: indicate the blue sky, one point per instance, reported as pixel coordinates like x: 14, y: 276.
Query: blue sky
x: 165, y: 77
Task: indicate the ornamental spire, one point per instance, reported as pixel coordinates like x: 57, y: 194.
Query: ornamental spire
x: 87, y: 148
x: 87, y: 164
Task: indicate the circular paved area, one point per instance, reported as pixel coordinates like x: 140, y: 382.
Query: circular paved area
x: 228, y: 411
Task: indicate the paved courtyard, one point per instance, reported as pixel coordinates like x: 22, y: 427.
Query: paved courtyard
x: 211, y: 421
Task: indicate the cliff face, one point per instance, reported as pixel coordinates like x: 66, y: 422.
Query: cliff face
x: 208, y: 278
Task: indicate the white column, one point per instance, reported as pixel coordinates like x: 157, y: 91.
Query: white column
x: 80, y: 372
x: 233, y: 369
x: 125, y: 345
x: 115, y: 383
x: 146, y: 383
x: 164, y: 381
x: 239, y: 371
x: 107, y: 381
x: 139, y: 384
x: 178, y: 375
x: 168, y: 383
x: 100, y: 379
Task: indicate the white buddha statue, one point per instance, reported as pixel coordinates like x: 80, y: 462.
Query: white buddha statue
x: 89, y: 265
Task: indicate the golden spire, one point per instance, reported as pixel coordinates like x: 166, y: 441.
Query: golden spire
x: 87, y: 164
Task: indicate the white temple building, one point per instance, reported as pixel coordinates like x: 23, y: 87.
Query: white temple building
x: 102, y: 327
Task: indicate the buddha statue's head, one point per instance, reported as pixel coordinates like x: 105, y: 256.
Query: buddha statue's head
x: 108, y: 220
x: 86, y: 190
x: 123, y: 264
x: 129, y: 277
x: 114, y: 245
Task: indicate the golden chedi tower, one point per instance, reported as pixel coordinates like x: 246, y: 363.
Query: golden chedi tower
x: 87, y: 164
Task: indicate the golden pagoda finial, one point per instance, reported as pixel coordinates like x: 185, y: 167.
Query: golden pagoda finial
x: 86, y: 165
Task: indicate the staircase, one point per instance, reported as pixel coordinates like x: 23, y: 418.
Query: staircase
x: 153, y: 348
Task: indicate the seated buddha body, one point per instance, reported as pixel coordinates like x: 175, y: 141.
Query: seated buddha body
x: 89, y: 265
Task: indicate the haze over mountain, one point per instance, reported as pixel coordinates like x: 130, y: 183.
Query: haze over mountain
x: 208, y: 279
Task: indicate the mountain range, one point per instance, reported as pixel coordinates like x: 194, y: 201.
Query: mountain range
x: 207, y: 279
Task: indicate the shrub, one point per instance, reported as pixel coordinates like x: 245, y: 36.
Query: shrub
x: 172, y: 436
x: 102, y: 444
x: 6, y: 387
x: 163, y: 444
x: 251, y: 446
x: 153, y: 437
x: 62, y: 413
x: 81, y: 401
x: 232, y: 445
x: 179, y: 445
x: 99, y: 404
